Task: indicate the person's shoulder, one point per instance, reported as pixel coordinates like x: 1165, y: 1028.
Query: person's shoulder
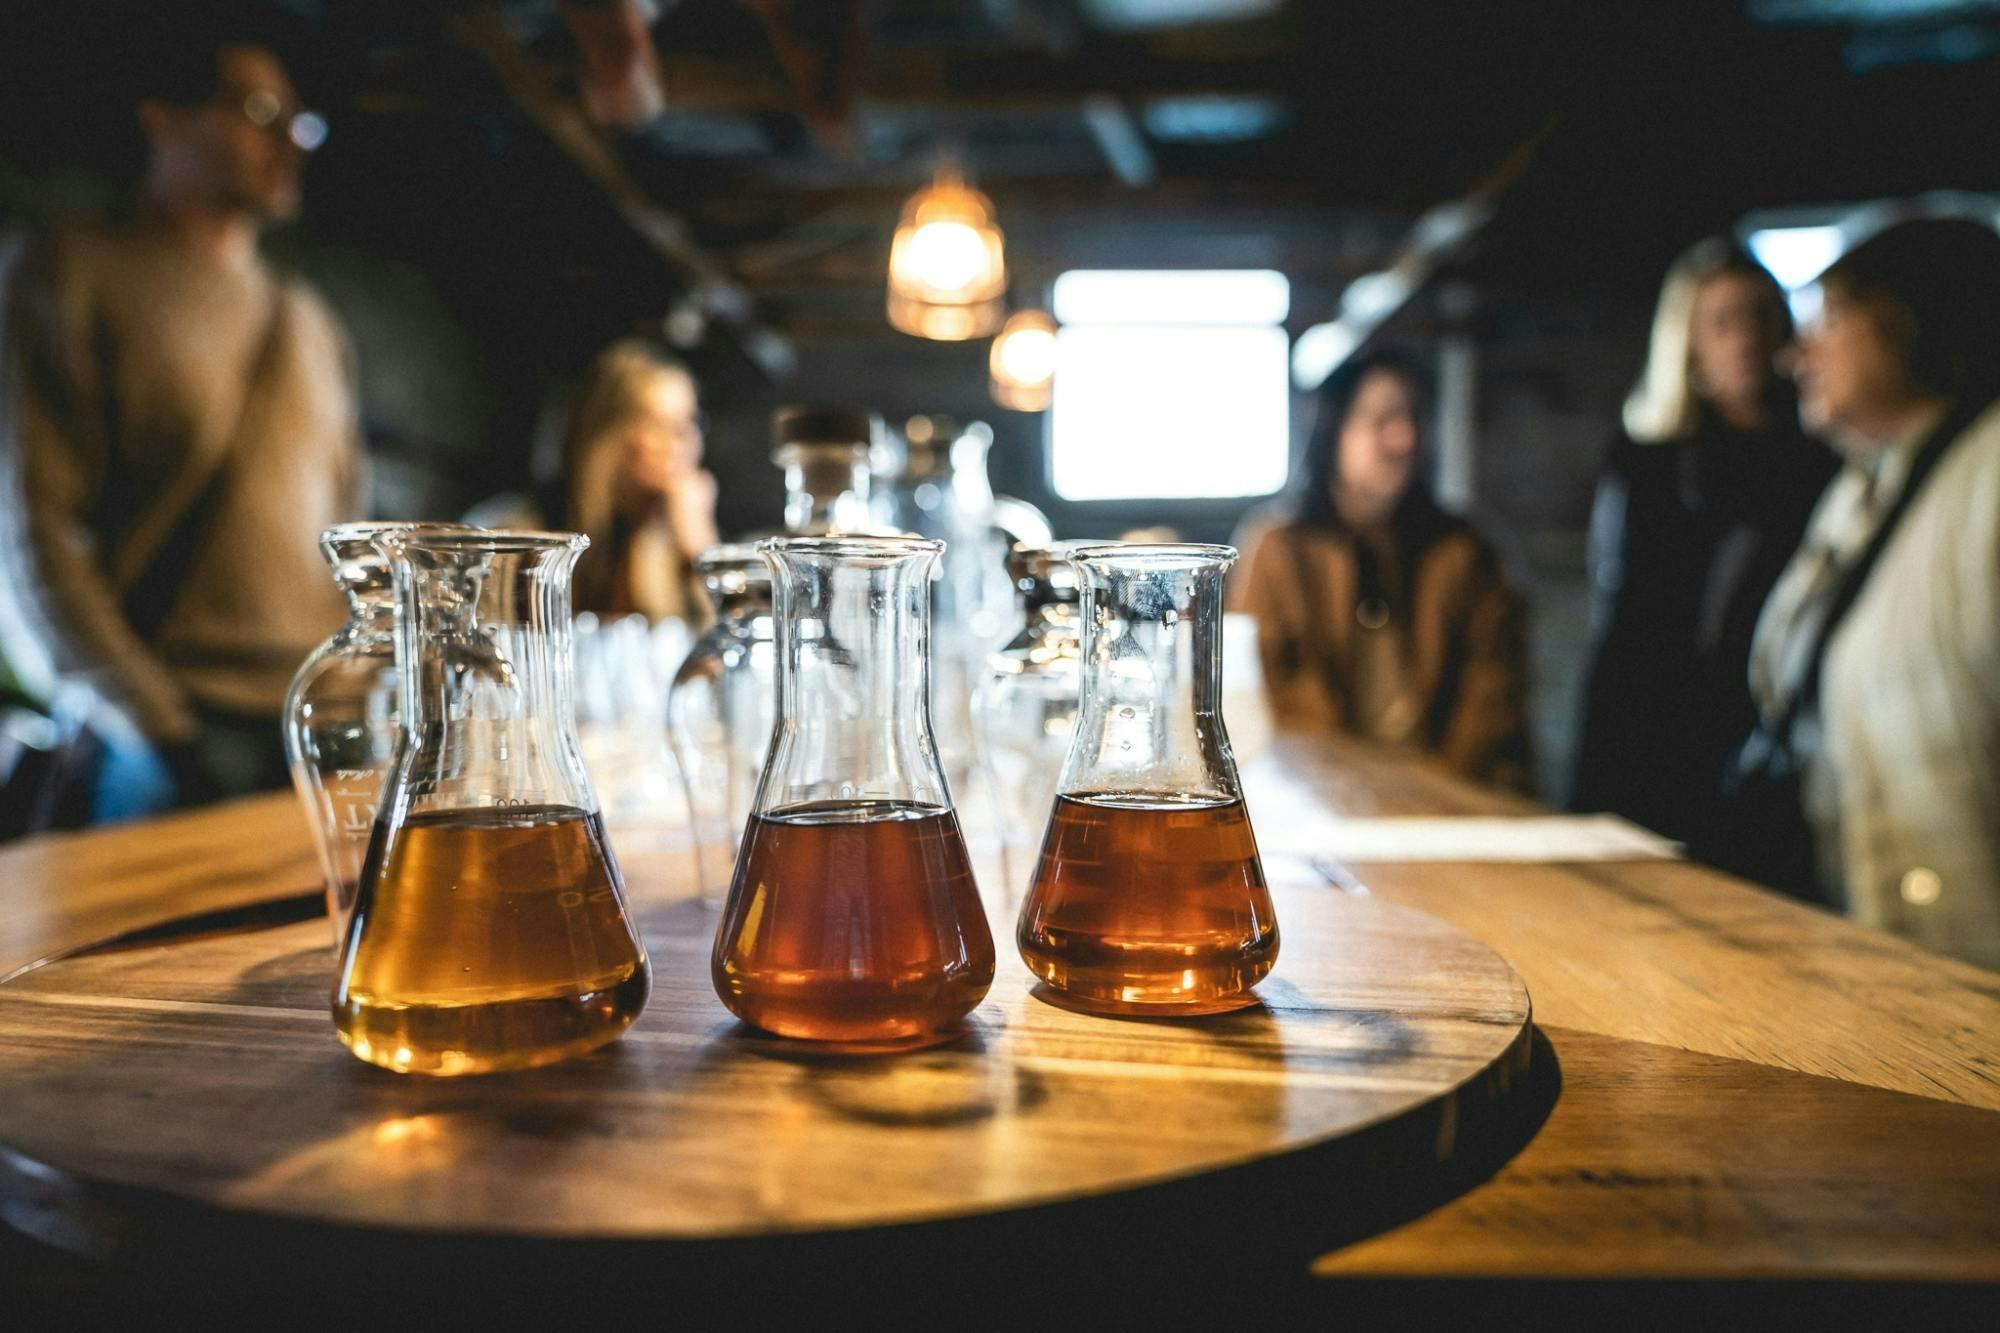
x: 302, y: 298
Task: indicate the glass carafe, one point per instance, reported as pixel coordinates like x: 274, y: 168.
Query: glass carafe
x: 489, y: 928
x: 341, y: 714
x: 853, y: 919
x: 1025, y: 708
x: 720, y: 708
x: 1149, y: 897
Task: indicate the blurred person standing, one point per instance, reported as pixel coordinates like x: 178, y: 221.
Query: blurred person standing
x: 635, y: 486
x: 1876, y: 663
x: 1378, y: 613
x: 1704, y: 496
x: 184, y: 423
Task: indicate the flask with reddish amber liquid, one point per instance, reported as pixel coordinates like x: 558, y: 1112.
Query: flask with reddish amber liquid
x: 489, y: 928
x: 1149, y: 897
x: 853, y: 920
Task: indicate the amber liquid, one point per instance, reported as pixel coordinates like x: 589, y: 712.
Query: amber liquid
x: 855, y: 924
x: 488, y: 939
x: 1149, y: 904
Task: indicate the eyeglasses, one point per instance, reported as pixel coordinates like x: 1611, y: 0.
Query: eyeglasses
x: 261, y: 107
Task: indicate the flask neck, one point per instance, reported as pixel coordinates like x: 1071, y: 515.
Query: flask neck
x: 485, y: 659
x: 1150, y: 717
x: 853, y: 658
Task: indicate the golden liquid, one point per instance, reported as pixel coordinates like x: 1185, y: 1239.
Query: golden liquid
x: 1149, y: 904
x: 489, y: 939
x: 855, y: 924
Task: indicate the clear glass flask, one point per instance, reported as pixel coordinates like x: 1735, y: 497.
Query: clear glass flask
x: 853, y: 919
x: 720, y: 707
x: 1024, y: 710
x: 1149, y: 897
x: 489, y: 928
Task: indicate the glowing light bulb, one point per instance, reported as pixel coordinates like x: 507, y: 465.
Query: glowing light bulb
x: 947, y: 271
x: 947, y: 256
x: 1022, y: 363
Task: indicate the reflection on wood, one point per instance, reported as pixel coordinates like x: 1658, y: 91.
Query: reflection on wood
x: 693, y: 1126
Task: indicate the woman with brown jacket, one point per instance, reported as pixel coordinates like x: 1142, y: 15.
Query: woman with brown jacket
x: 1379, y: 614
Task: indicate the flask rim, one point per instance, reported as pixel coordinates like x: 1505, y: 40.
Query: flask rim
x: 497, y: 540
x: 882, y: 547
x: 367, y: 530
x: 1153, y: 555
x: 732, y: 557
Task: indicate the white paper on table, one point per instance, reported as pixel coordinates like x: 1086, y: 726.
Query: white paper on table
x: 1449, y: 838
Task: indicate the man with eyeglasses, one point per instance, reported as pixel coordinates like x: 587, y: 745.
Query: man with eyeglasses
x: 184, y: 425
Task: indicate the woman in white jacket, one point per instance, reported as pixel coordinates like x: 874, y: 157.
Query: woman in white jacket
x: 1900, y: 748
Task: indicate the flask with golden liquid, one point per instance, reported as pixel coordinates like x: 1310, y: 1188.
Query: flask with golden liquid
x: 489, y: 928
x: 1149, y: 896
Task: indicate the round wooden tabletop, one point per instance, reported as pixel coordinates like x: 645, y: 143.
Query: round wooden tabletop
x: 205, y: 1072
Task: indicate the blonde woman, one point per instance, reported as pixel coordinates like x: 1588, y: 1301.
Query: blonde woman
x: 632, y: 456
x: 1704, y: 496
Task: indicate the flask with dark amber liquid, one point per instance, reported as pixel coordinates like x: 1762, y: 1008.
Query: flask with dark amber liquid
x: 1149, y: 897
x: 489, y: 928
x: 853, y: 920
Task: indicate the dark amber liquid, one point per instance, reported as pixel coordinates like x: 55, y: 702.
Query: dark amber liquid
x: 489, y: 939
x: 854, y: 923
x: 1149, y: 904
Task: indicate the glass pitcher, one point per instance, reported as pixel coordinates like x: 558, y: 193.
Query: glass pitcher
x: 489, y: 928
x: 1149, y: 897
x: 853, y: 919
x: 719, y: 710
x: 1025, y: 708
x: 341, y: 713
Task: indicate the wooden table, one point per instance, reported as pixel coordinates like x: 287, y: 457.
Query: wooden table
x: 1742, y: 1100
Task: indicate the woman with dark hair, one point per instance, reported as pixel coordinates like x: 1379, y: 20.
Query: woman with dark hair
x: 1704, y: 496
x: 1876, y: 663
x: 1379, y: 614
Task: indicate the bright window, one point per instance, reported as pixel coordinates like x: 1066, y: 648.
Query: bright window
x: 1170, y: 385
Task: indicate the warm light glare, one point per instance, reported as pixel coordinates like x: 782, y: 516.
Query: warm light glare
x: 1028, y: 356
x: 947, y: 266
x: 1023, y: 362
x: 947, y: 256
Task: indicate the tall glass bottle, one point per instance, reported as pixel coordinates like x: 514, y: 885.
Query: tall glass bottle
x: 489, y: 929
x: 1024, y: 710
x: 825, y: 455
x: 937, y: 487
x: 341, y: 713
x: 720, y: 707
x: 1149, y: 897
x: 853, y: 919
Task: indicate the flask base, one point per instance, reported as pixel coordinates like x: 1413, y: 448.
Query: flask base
x: 1101, y: 1006
x: 449, y: 1040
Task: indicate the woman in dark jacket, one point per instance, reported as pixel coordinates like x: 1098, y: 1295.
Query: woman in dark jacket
x: 1703, y: 500
x: 1378, y: 613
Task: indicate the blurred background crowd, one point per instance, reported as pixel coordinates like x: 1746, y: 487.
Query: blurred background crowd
x: 1602, y: 397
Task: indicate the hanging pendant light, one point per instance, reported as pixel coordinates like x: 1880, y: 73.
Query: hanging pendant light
x: 1022, y: 363
x: 947, y: 272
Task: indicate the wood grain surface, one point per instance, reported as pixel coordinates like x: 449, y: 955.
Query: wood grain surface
x: 63, y: 891
x: 694, y: 1127
x: 1749, y: 1089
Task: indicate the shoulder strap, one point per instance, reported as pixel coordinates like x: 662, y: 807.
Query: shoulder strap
x: 150, y: 596
x: 1929, y: 453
